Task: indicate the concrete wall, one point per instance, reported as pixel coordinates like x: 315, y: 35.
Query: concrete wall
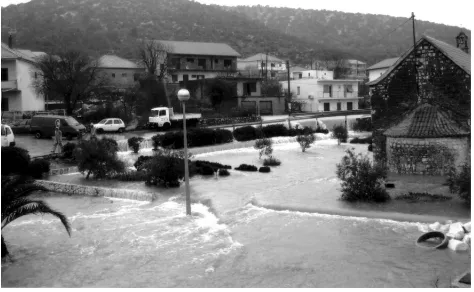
x: 30, y: 100
x: 374, y: 74
x: 119, y: 80
x: 459, y: 148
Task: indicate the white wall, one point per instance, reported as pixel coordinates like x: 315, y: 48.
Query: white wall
x: 30, y: 100
x: 11, y: 66
x: 374, y: 74
x: 321, y: 74
x: 190, y: 74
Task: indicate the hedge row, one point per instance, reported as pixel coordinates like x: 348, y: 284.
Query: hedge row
x: 16, y: 160
x: 228, y: 121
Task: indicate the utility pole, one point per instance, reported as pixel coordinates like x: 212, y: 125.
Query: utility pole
x: 414, y: 57
x: 289, y: 93
x: 266, y: 65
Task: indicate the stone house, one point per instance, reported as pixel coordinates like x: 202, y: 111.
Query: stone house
x: 432, y: 82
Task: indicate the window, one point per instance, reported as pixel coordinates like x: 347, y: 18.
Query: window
x: 338, y: 106
x: 216, y: 61
x: 117, y: 122
x: 174, y: 78
x: 193, y: 76
x: 309, y: 74
x: 4, y: 132
x: 227, y: 63
x: 4, y: 74
x: 253, y: 87
x: 326, y: 106
x: 300, y: 75
x: 328, y: 89
x: 349, y: 106
x: 162, y: 67
x: 135, y: 77
x: 113, y: 75
x: 272, y: 74
x: 272, y: 65
x: 124, y: 74
x: 175, y: 63
x: 349, y: 88
x: 109, y: 122
x: 162, y: 113
x: 185, y: 77
x: 190, y: 60
x: 202, y: 63
x: 298, y: 90
x: 9, y: 131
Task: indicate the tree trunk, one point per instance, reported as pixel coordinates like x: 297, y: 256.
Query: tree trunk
x: 4, y: 249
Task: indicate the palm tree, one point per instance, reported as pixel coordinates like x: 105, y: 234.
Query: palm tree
x: 15, y: 203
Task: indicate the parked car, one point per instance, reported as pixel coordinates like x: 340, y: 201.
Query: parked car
x: 21, y: 126
x: 44, y: 126
x: 8, y: 138
x: 163, y: 117
x: 110, y: 125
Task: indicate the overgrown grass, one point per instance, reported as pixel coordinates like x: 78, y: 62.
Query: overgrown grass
x: 422, y: 197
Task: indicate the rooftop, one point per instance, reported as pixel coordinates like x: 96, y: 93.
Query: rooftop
x: 26, y: 55
x: 426, y: 121
x: 197, y: 48
x: 113, y: 61
x: 263, y: 57
x: 387, y: 63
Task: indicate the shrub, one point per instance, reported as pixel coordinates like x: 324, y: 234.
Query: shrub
x: 461, y: 183
x: 141, y: 162
x: 15, y: 160
x: 134, y: 143
x: 207, y: 170
x: 215, y: 165
x: 324, y: 131
x: 196, y: 138
x: 370, y: 147
x: 300, y: 131
x: 361, y: 181
x: 264, y: 169
x: 166, y: 168
x: 223, y: 172
x: 98, y: 157
x: 362, y: 124
x: 264, y: 146
x: 68, y: 150
x: 246, y: 133
x: 340, y: 133
x: 157, y: 141
x: 422, y: 197
x: 130, y: 176
x: 271, y: 161
x: 246, y: 167
x: 190, y: 123
x: 305, y: 141
x: 357, y: 140
x: 37, y: 167
x: 275, y: 130
x: 223, y: 136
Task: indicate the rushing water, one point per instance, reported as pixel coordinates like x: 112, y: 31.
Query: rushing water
x: 247, y: 230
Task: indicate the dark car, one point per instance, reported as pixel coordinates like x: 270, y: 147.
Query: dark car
x: 44, y: 126
x: 21, y: 126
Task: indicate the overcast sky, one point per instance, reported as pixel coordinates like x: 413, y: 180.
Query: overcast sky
x: 452, y: 12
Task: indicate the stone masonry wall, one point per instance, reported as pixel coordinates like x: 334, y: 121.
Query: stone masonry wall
x: 431, y: 156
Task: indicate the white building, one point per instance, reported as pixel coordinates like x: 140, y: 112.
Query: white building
x: 320, y: 95
x: 18, y: 75
x: 376, y: 70
x: 259, y: 62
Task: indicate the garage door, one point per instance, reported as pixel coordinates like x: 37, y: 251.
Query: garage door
x: 266, y: 108
x: 249, y: 105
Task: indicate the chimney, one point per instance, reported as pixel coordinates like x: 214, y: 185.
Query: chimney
x: 461, y: 42
x: 10, y: 41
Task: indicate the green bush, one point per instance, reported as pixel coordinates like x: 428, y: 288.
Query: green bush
x: 460, y: 183
x: 166, y: 168
x: 246, y: 133
x: 362, y: 124
x: 246, y: 167
x: 37, y: 167
x: 68, y: 150
x: 223, y: 136
x: 190, y: 123
x: 130, y: 176
x: 223, y: 172
x: 15, y: 160
x: 271, y: 161
x: 134, y: 143
x: 361, y: 181
x: 357, y: 140
x: 98, y: 157
x: 141, y: 162
x: 207, y: 170
x: 422, y: 197
x: 264, y: 146
x: 305, y: 141
x: 214, y: 165
x: 157, y: 141
x: 275, y: 130
x: 300, y: 131
x: 196, y: 138
x: 340, y: 133
x: 264, y: 169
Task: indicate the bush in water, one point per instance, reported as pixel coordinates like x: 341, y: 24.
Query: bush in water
x: 141, y: 162
x: 196, y: 138
x: 300, y: 131
x: 246, y: 133
x: 15, y: 160
x: 264, y: 146
x: 246, y: 167
x: 138, y: 175
x: 461, y: 183
x: 362, y: 124
x: 38, y: 167
x: 134, y: 143
x: 157, y: 141
x: 271, y: 161
x: 68, y: 150
x: 264, y: 169
x: 223, y: 136
x: 98, y: 157
x: 340, y: 133
x: 223, y: 172
x: 361, y: 181
x: 357, y: 140
x: 166, y: 168
x: 305, y: 141
x: 215, y: 165
x: 207, y: 170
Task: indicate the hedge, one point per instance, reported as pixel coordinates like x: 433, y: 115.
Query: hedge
x: 246, y: 167
x: 196, y: 138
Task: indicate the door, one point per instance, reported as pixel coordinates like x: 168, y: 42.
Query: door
x: 338, y: 106
x: 108, y: 126
x: 349, y: 106
x: 4, y: 137
x: 250, y: 106
x: 163, y: 117
x: 4, y: 104
x: 10, y: 137
x: 266, y: 108
x: 117, y: 124
x: 326, y: 106
x: 185, y: 77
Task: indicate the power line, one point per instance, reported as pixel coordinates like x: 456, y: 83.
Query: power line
x: 394, y: 29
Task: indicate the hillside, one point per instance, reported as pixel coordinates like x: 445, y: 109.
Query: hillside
x: 104, y: 26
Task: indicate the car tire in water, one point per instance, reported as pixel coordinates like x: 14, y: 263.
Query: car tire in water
x: 38, y: 135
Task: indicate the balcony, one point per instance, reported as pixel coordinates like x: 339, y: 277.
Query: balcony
x: 10, y: 85
x: 335, y: 94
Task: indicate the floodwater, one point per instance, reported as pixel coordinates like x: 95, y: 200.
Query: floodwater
x: 283, y: 229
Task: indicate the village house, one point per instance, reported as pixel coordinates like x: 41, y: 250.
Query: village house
x: 355, y: 69
x: 18, y: 94
x: 259, y: 64
x: 121, y: 73
x: 421, y: 109
x: 376, y: 70
x: 196, y: 60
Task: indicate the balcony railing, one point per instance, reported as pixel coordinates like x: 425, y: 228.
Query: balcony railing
x: 196, y: 67
x: 9, y: 85
x: 335, y: 94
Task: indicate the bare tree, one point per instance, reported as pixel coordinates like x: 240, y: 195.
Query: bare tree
x: 69, y: 76
x: 154, y: 55
x: 336, y: 63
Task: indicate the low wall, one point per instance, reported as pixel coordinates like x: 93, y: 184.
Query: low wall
x: 92, y: 191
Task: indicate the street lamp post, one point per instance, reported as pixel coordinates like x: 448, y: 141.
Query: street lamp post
x: 183, y: 96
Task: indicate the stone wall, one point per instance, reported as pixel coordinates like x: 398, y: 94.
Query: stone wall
x: 431, y: 156
x: 82, y: 190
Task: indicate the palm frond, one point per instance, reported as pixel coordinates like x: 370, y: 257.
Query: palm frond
x: 34, y: 207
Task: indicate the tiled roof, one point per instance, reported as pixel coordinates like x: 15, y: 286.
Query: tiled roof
x: 26, y: 55
x: 195, y: 48
x: 298, y: 69
x: 383, y: 64
x: 458, y: 56
x: 263, y: 57
x: 112, y: 61
x: 426, y: 121
x: 355, y: 62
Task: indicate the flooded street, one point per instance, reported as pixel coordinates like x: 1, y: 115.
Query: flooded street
x: 283, y: 229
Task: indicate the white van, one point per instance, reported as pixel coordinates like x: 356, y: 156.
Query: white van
x: 8, y: 139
